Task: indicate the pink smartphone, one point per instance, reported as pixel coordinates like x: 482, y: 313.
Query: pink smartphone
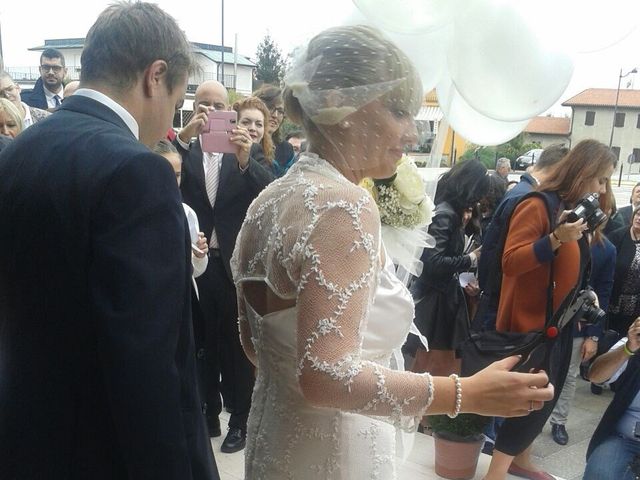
x: 216, y: 133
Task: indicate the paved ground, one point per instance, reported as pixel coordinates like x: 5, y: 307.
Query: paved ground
x: 568, y: 461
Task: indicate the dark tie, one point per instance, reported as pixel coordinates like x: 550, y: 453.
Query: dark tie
x: 56, y: 99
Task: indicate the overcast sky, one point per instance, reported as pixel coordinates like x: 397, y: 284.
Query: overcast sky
x: 27, y: 23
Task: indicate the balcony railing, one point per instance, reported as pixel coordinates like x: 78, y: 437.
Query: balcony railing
x: 31, y: 74
x: 228, y: 81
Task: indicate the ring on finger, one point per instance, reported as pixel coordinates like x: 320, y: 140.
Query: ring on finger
x: 531, y: 406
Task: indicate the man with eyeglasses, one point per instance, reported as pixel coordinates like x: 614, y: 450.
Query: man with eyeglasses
x: 11, y: 91
x: 48, y: 91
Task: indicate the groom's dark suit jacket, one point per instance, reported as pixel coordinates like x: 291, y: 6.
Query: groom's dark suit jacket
x: 97, y: 367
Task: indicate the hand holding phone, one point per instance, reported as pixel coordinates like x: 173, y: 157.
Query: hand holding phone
x: 216, y: 134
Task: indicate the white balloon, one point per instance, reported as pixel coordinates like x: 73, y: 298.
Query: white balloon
x: 506, y: 60
x: 427, y: 52
x: 411, y: 16
x: 470, y: 124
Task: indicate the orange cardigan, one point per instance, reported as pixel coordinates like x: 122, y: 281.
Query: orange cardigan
x: 525, y: 266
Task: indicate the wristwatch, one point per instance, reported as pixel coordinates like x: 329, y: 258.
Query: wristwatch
x: 594, y: 339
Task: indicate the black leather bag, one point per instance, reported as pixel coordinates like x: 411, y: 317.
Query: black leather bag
x: 481, y: 349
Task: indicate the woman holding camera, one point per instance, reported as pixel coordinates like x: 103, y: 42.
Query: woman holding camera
x: 615, y: 445
x: 532, y: 244
x: 253, y: 115
x: 625, y: 298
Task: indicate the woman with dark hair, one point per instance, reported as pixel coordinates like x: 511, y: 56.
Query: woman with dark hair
x: 284, y: 156
x: 441, y: 311
x: 538, y: 240
x: 253, y: 115
x: 625, y: 298
x: 489, y: 202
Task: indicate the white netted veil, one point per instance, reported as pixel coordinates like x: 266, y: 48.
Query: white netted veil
x: 364, y: 74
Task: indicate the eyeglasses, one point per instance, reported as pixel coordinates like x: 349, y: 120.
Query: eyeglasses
x: 277, y: 111
x: 53, y: 68
x: 7, y: 90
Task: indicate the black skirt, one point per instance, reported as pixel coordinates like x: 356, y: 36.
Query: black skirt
x: 441, y: 316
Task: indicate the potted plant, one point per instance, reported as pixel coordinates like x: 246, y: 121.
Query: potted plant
x: 458, y: 442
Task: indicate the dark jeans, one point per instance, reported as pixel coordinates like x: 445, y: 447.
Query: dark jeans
x: 224, y: 356
x: 610, y: 460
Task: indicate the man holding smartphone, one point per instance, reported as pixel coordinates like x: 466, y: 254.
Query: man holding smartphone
x: 220, y: 187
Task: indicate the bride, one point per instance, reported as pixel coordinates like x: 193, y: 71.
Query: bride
x: 320, y: 309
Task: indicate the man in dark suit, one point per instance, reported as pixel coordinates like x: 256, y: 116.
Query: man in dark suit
x: 220, y: 188
x: 97, y: 363
x: 48, y: 91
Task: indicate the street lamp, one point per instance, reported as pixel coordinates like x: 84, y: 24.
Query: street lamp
x: 615, y: 111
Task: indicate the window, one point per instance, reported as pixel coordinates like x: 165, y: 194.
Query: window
x: 590, y: 118
x: 616, y: 152
x: 636, y: 155
x: 638, y: 121
x: 620, y: 119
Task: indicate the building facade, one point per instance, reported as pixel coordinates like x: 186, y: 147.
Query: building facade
x: 548, y: 131
x: 593, y: 117
x: 238, y: 70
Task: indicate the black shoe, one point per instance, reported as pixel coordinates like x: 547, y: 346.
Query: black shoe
x: 596, y: 389
x: 213, y: 425
x: 559, y: 434
x: 235, y: 441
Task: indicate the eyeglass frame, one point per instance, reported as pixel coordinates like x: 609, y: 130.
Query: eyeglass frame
x: 54, y: 68
x: 277, y: 110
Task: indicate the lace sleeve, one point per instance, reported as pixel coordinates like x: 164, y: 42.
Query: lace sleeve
x: 244, y: 329
x: 338, y: 275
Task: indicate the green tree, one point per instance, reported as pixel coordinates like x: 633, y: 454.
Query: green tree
x: 511, y: 150
x: 270, y: 65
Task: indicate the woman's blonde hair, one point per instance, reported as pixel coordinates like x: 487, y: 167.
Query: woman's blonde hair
x: 13, y: 112
x: 256, y: 103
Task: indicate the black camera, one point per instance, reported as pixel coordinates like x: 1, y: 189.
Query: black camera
x: 584, y: 308
x: 588, y: 209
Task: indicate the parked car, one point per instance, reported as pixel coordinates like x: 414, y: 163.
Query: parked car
x: 528, y: 159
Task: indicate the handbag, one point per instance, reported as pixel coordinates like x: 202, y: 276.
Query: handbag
x: 483, y: 348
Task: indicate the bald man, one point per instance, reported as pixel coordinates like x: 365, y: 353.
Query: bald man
x: 220, y: 188
x: 70, y: 88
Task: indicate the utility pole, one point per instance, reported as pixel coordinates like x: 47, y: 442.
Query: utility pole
x: 1, y: 52
x: 222, y: 69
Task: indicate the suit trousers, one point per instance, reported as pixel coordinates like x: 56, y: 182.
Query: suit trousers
x: 560, y: 413
x: 228, y: 371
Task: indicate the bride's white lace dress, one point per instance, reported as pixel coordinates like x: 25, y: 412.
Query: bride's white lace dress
x: 326, y: 405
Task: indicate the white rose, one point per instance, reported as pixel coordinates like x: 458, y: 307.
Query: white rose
x: 409, y: 183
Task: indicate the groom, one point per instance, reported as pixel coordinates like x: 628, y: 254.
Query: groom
x: 97, y: 365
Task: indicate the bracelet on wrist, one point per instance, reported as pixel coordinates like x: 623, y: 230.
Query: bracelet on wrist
x: 553, y: 234
x: 627, y: 350
x: 458, y: 397
x: 430, y: 392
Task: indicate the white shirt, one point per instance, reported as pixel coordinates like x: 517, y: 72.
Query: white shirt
x: 27, y: 121
x: 51, y: 103
x: 118, y: 109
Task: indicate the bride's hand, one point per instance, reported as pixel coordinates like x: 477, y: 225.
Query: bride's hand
x: 496, y: 391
